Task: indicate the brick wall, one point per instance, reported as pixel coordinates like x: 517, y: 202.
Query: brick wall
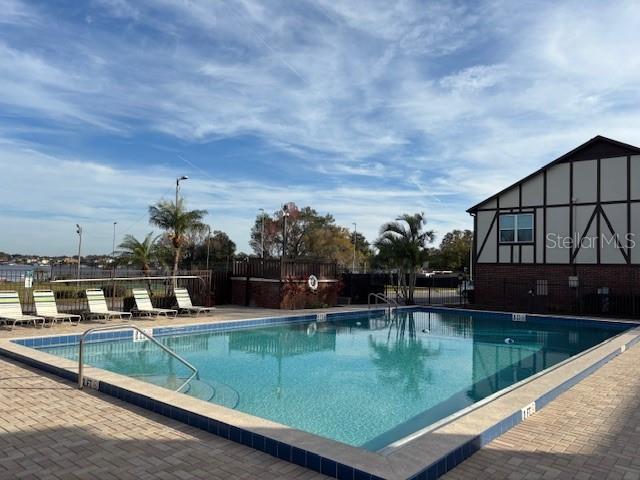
x: 261, y: 293
x: 291, y: 295
x: 498, y: 284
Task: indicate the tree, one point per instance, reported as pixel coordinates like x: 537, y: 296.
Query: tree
x: 401, y: 359
x: 455, y: 249
x: 271, y: 237
x: 178, y: 222
x: 139, y: 253
x: 402, y: 245
x: 221, y: 249
x: 308, y: 234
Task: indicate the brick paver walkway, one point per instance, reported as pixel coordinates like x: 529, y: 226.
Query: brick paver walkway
x: 49, y: 429
x: 592, y: 431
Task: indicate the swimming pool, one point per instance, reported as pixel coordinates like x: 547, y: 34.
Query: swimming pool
x: 364, y: 379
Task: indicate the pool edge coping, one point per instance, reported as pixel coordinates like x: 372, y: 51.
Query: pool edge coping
x: 426, y: 456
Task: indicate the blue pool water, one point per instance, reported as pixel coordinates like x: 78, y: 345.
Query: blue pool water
x: 363, y: 380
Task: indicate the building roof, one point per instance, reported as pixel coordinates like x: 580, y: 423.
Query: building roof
x: 597, y: 147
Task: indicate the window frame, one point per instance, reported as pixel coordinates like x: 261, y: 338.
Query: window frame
x: 516, y: 240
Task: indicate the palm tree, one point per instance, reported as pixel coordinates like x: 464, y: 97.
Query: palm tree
x: 401, y: 360
x: 139, y: 253
x: 178, y: 223
x: 403, y: 245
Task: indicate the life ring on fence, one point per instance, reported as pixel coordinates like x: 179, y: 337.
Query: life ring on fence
x: 313, y: 282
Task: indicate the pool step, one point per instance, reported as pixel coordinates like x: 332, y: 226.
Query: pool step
x: 195, y: 388
x: 214, y: 392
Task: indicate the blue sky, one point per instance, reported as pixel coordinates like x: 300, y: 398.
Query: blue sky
x: 364, y: 110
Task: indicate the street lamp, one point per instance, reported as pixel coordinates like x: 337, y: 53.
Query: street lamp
x: 178, y: 180
x: 353, y: 266
x: 79, y: 232
x: 262, y: 233
x: 113, y: 244
x: 285, y: 214
x: 208, y: 244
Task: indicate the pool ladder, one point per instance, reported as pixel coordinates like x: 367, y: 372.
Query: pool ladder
x: 141, y: 332
x: 383, y: 298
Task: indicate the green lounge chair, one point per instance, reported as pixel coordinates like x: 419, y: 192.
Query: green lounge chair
x: 144, y: 307
x: 98, y: 306
x: 46, y: 307
x: 184, y: 303
x: 11, y: 310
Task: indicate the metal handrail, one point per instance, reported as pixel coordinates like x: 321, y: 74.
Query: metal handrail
x: 142, y: 332
x: 384, y: 298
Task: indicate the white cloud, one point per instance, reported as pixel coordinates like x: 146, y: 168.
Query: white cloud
x: 388, y: 107
x: 48, y: 195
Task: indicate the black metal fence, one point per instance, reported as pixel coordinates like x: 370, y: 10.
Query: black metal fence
x: 543, y: 297
x: 434, y: 290
x: 432, y: 294
x: 356, y: 287
x: 220, y: 287
x: 70, y: 292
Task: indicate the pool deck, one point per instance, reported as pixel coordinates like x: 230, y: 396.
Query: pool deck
x: 50, y: 429
x: 220, y: 314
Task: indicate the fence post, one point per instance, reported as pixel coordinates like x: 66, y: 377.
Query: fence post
x: 504, y: 293
x: 247, y: 286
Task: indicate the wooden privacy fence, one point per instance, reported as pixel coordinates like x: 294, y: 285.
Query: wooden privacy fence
x: 277, y: 269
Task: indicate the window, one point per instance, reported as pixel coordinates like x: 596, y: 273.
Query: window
x: 516, y: 228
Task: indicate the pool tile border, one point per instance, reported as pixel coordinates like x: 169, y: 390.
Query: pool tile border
x: 388, y: 466
x: 457, y: 456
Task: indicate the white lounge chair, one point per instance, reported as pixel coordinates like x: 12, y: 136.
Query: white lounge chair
x: 145, y: 307
x: 98, y: 306
x: 184, y: 303
x: 46, y: 307
x: 11, y: 310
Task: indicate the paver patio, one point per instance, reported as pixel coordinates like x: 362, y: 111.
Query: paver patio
x: 592, y: 431
x: 49, y: 429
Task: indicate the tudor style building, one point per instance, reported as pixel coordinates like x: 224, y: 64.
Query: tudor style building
x: 569, y: 231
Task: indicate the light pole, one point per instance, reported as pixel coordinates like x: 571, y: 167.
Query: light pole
x: 262, y: 233
x: 79, y: 232
x: 178, y: 180
x: 285, y: 214
x: 355, y: 239
x: 208, y: 244
x: 113, y: 260
x: 113, y: 244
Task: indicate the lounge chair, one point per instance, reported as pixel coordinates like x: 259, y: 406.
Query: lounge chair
x: 184, y: 303
x: 46, y: 307
x: 11, y: 310
x: 145, y: 307
x: 98, y: 306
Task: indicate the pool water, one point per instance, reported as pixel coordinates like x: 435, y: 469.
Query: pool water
x: 365, y: 380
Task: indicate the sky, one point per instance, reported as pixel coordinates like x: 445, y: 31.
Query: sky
x: 365, y: 110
